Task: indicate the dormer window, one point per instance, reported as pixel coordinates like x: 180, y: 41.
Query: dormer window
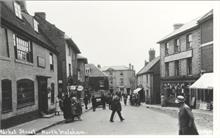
x: 36, y: 25
x: 17, y: 7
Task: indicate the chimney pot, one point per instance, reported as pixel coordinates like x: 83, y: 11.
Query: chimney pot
x: 40, y: 14
x: 177, y: 26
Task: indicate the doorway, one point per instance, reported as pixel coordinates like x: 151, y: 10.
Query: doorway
x: 42, y: 95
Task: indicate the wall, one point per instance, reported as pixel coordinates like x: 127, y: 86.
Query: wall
x: 13, y: 69
x: 195, y: 56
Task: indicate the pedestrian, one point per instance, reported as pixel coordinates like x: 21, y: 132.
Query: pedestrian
x: 86, y: 100
x: 93, y: 103
x: 125, y: 97
x: 116, y: 107
x: 67, y: 109
x: 103, y: 101
x: 57, y: 106
x: 186, y: 119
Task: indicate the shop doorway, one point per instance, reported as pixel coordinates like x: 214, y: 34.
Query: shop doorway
x: 42, y: 95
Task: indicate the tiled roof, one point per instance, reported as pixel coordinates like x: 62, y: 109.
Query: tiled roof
x: 147, y: 68
x: 22, y: 26
x: 186, y: 27
x: 206, y: 16
x: 94, y: 71
x: 114, y: 68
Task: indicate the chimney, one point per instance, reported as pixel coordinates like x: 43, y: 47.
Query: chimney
x: 99, y: 66
x: 151, y: 54
x: 129, y: 65
x: 145, y: 63
x: 132, y: 67
x: 40, y: 14
x: 177, y: 26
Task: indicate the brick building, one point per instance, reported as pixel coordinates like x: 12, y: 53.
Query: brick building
x: 182, y: 59
x: 28, y: 67
x: 148, y: 78
x: 121, y: 78
x: 202, y: 90
x: 68, y: 50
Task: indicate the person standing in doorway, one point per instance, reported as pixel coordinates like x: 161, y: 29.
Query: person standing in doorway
x: 186, y: 119
x: 116, y: 107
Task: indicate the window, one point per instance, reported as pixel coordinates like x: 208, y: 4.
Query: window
x: 121, y: 74
x: 23, y: 49
x: 36, y: 25
x: 177, y: 68
x: 17, y: 10
x: 177, y: 45
x: 189, y: 66
x: 101, y: 83
x: 121, y: 81
x: 6, y: 96
x: 25, y: 92
x: 51, y: 62
x: 70, y: 70
x: 4, y: 49
x: 189, y: 41
x: 52, y: 93
x: 166, y: 69
x: 166, y: 49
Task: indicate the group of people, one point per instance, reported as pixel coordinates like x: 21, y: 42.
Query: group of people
x: 71, y: 107
x: 135, y: 99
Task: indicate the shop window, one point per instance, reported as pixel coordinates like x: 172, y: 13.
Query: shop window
x: 25, y: 93
x: 6, y: 96
x: 23, y: 49
x: 52, y: 93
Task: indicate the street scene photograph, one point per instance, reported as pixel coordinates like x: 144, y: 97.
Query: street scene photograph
x: 108, y: 67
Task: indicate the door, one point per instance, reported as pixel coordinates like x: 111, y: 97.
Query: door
x: 42, y: 95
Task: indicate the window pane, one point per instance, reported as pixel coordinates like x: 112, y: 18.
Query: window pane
x: 6, y: 95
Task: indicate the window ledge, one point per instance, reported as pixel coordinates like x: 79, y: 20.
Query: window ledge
x: 5, y: 58
x: 25, y: 105
x: 24, y: 62
x: 7, y: 111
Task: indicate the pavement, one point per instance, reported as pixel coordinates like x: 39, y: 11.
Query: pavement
x: 35, y: 126
x: 203, y: 118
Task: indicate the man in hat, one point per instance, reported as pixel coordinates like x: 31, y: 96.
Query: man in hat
x: 186, y: 119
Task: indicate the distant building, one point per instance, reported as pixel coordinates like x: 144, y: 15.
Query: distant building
x: 148, y: 78
x: 121, y: 78
x: 68, y: 50
x: 28, y: 67
x: 181, y: 57
x: 95, y: 78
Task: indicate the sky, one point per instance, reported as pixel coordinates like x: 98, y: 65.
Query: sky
x: 112, y: 33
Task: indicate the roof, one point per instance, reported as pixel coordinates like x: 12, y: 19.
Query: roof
x: 185, y: 27
x: 204, y: 82
x: 94, y: 71
x: 71, y: 43
x: 206, y: 16
x: 148, y: 67
x: 10, y: 20
x: 114, y: 68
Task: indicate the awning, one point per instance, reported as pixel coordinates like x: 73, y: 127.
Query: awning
x: 204, y: 82
x: 137, y: 90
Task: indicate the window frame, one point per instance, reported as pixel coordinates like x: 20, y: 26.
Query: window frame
x: 188, y: 41
x: 36, y: 27
x: 177, y: 67
x: 167, y: 74
x: 166, y: 48
x: 20, y: 92
x: 189, y: 70
x: 17, y: 10
x: 51, y: 61
x: 176, y: 45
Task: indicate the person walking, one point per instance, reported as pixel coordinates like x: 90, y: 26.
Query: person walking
x: 125, y: 97
x: 86, y: 100
x: 186, y: 119
x: 116, y: 107
x: 93, y: 103
x: 103, y: 101
x: 67, y: 114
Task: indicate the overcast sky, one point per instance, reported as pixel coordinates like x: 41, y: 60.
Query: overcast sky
x: 118, y: 33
